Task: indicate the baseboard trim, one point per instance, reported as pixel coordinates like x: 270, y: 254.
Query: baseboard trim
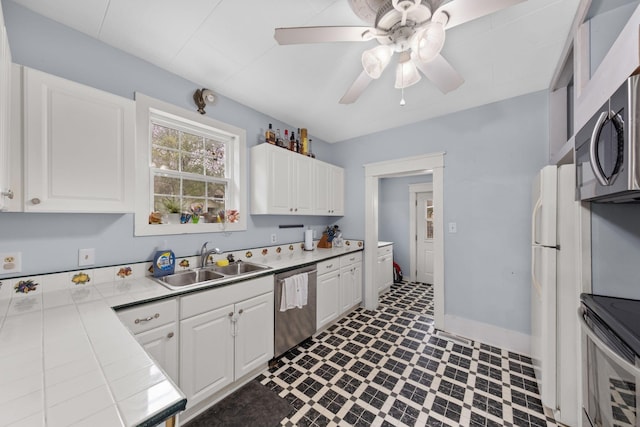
x: 488, y: 334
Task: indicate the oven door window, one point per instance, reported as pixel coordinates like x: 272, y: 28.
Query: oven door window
x: 611, y: 389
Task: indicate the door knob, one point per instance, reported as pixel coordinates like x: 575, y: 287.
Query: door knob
x: 35, y: 201
x: 170, y: 335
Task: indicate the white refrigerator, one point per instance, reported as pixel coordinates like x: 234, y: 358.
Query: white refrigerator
x: 555, y: 290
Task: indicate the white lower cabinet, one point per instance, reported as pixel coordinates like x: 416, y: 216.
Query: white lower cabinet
x: 225, y: 333
x: 339, y: 287
x: 206, y: 353
x: 384, y: 276
x: 154, y: 326
x: 350, y: 281
x: 328, y: 292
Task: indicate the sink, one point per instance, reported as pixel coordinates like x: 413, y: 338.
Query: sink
x: 238, y: 268
x: 199, y: 276
x: 189, y: 277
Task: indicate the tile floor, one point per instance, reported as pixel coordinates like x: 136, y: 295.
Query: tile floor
x: 387, y: 368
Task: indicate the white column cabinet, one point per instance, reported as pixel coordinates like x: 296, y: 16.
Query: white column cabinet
x: 287, y: 183
x: 79, y: 147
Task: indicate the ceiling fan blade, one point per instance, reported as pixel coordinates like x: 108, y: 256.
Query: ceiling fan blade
x: 298, y: 35
x: 359, y: 85
x: 461, y: 11
x: 441, y: 73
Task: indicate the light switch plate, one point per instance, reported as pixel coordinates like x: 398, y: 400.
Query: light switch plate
x: 86, y: 257
x: 10, y: 262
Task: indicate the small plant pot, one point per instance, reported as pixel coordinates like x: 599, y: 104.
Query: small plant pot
x: 173, y: 218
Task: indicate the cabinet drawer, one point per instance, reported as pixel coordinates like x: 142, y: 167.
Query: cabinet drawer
x: 148, y: 316
x: 385, y: 250
x: 350, y: 259
x: 207, y: 300
x: 328, y: 266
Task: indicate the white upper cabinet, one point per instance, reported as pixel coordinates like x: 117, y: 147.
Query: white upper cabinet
x: 79, y: 147
x: 285, y: 183
x: 5, y: 116
x: 329, y: 186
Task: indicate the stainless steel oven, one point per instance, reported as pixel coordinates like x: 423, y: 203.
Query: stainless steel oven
x: 608, y: 149
x: 611, y: 368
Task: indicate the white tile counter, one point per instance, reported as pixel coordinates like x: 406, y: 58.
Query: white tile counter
x: 67, y: 360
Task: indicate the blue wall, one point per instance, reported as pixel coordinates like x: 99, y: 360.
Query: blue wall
x: 492, y: 155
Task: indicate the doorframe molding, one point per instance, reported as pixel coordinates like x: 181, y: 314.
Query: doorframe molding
x: 414, y: 189
x: 409, y: 166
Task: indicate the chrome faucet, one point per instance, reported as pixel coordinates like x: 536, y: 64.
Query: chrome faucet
x: 204, y: 254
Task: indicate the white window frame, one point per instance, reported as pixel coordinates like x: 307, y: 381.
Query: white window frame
x: 148, y: 108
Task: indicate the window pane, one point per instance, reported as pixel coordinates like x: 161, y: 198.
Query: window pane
x: 164, y: 136
x: 191, y: 143
x: 193, y: 163
x: 164, y: 159
x: 215, y: 158
x: 216, y: 191
x: 165, y: 185
x: 191, y: 188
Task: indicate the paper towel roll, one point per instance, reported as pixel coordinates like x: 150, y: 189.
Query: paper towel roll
x: 308, y: 240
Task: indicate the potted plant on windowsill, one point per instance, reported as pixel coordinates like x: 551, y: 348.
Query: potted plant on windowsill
x: 173, y: 208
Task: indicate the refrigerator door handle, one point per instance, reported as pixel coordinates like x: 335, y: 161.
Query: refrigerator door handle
x: 534, y: 222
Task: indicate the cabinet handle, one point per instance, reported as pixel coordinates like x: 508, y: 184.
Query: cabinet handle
x: 146, y: 319
x: 8, y: 194
x: 170, y: 335
x: 231, y: 314
x: 290, y: 209
x: 296, y: 209
x: 241, y: 311
x: 329, y: 266
x: 35, y: 201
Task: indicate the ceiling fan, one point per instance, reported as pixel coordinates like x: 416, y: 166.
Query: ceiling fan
x: 415, y: 29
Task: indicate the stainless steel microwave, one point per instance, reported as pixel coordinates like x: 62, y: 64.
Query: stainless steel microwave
x: 608, y: 149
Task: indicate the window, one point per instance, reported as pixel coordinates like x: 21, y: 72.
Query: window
x: 188, y: 163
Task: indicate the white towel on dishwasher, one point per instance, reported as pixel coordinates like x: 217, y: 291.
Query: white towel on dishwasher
x: 295, y: 290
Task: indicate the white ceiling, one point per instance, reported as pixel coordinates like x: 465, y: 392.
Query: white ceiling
x: 228, y: 46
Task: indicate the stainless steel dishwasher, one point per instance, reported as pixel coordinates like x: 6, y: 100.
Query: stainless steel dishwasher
x: 295, y: 325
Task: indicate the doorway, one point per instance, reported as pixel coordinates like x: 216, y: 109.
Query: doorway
x: 410, y: 166
x: 421, y: 233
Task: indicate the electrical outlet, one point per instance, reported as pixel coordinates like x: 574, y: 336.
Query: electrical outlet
x: 86, y: 257
x: 274, y: 238
x: 453, y: 227
x: 10, y: 262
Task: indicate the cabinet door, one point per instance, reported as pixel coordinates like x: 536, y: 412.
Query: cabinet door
x: 346, y: 288
x: 337, y: 191
x: 357, y: 283
x: 206, y: 353
x: 280, y: 179
x: 322, y: 188
x: 162, y: 344
x: 5, y: 115
x: 328, y: 298
x: 385, y: 271
x: 303, y: 185
x: 254, y: 334
x: 79, y: 147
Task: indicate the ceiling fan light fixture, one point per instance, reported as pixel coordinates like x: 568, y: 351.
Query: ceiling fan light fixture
x: 406, y: 73
x: 375, y: 60
x: 428, y: 42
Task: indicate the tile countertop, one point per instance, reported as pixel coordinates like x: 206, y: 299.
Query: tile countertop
x: 66, y: 359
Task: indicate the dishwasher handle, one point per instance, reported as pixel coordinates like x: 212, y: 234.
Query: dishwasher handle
x: 303, y: 272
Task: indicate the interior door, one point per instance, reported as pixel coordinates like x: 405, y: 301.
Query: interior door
x: 424, y: 237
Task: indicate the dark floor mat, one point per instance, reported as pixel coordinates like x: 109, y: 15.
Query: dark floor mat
x: 253, y: 405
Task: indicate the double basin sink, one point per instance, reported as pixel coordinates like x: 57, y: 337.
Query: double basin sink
x: 203, y: 275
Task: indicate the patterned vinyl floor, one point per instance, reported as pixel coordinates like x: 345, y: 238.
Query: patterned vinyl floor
x: 387, y: 368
